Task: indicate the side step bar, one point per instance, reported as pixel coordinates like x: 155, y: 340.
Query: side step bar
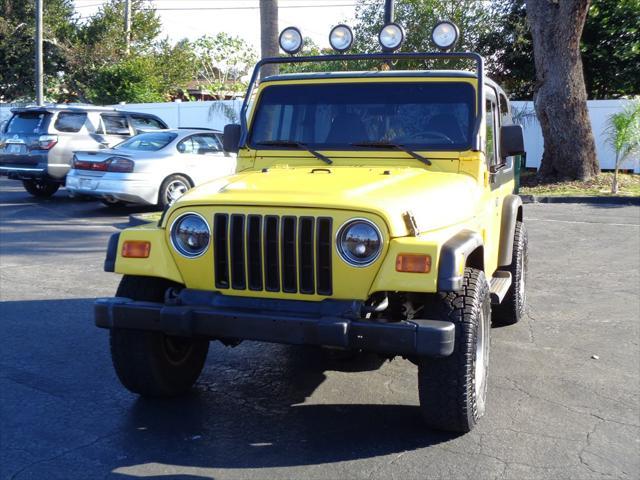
x: 500, y: 284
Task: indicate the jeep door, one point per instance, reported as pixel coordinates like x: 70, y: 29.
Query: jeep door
x: 203, y: 157
x: 500, y: 174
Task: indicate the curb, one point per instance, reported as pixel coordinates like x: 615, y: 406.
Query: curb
x: 137, y: 219
x: 583, y: 200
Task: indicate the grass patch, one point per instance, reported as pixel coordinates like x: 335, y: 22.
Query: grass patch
x: 600, y: 186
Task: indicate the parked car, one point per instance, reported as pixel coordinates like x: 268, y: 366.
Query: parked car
x: 153, y: 168
x: 37, y: 144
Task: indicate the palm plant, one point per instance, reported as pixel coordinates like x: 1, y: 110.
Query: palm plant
x: 623, y: 134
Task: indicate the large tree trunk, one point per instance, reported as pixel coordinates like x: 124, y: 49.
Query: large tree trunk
x: 269, y: 34
x: 560, y: 95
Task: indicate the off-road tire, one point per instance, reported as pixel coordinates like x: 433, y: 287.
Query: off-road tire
x: 163, y: 193
x: 40, y: 188
x: 153, y: 364
x: 449, y: 399
x: 513, y: 306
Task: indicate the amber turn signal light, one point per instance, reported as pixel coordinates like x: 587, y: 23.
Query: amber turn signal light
x: 136, y: 249
x: 413, y: 263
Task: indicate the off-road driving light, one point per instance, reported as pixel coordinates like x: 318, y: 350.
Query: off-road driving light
x: 445, y: 35
x: 341, y: 38
x: 291, y: 40
x: 190, y: 235
x: 391, y: 36
x: 359, y: 242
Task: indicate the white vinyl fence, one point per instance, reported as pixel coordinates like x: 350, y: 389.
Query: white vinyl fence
x: 213, y: 114
x: 599, y: 112
x: 216, y: 114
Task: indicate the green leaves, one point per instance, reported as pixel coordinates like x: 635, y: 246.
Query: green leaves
x: 623, y: 131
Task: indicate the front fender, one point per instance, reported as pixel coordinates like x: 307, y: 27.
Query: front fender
x: 159, y: 264
x: 511, y: 213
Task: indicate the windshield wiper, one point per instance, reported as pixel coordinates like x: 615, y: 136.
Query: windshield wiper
x: 395, y: 146
x: 289, y: 143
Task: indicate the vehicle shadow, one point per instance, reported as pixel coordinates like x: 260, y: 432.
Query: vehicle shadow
x: 256, y: 418
x: 254, y: 406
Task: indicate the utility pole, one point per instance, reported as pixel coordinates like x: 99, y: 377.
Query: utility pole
x: 268, y: 34
x: 388, y: 11
x: 127, y: 26
x: 38, y: 59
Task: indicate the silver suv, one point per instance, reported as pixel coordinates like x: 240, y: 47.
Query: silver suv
x: 37, y: 144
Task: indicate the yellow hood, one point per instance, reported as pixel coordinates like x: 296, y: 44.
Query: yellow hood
x: 435, y: 199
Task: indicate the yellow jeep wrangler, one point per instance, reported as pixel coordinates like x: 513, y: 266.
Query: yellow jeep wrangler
x: 371, y: 211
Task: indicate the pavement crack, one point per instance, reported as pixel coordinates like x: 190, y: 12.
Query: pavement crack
x: 62, y: 454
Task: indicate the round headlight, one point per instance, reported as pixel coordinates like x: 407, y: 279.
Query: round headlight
x: 359, y: 242
x: 291, y: 40
x: 445, y: 35
x: 341, y: 38
x: 190, y: 235
x: 391, y: 36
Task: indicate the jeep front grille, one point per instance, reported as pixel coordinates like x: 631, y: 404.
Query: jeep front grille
x: 273, y: 253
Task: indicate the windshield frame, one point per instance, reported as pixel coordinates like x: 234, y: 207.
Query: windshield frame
x: 467, y: 145
x: 388, y: 57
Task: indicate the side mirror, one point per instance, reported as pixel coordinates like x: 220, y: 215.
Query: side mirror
x: 511, y: 141
x: 231, y: 138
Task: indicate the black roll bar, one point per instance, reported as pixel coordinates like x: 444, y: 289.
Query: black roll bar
x: 389, y: 57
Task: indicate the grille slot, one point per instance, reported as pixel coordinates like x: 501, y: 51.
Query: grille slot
x: 323, y: 257
x: 289, y: 280
x: 238, y: 280
x: 305, y: 254
x: 271, y: 257
x: 289, y: 254
x: 254, y: 252
x: 221, y: 248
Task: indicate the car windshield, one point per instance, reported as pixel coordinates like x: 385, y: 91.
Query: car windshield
x: 419, y: 115
x: 148, y: 142
x: 27, y: 122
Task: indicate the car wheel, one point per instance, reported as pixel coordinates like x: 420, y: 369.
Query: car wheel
x: 41, y: 188
x: 149, y: 363
x: 512, y: 308
x: 453, y: 389
x: 172, y: 189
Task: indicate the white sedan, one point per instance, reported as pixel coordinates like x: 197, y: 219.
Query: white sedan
x: 153, y: 168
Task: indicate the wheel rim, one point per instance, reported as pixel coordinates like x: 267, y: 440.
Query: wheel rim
x: 481, y: 360
x: 177, y: 349
x: 175, y: 190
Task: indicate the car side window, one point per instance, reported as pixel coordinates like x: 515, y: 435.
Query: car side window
x: 208, y: 143
x: 71, y: 122
x: 187, y: 146
x: 115, y: 125
x: 141, y: 122
x: 200, y: 144
x: 491, y: 140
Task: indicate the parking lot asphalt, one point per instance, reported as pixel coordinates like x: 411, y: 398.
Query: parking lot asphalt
x: 563, y: 397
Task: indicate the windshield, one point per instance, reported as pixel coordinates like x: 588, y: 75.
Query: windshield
x: 27, y: 122
x: 420, y: 115
x: 148, y: 142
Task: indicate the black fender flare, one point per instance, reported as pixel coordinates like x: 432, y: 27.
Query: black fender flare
x: 511, y: 213
x: 453, y: 258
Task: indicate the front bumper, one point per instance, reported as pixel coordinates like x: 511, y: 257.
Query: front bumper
x: 336, y: 323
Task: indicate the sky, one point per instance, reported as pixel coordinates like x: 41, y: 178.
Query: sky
x: 194, y: 18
